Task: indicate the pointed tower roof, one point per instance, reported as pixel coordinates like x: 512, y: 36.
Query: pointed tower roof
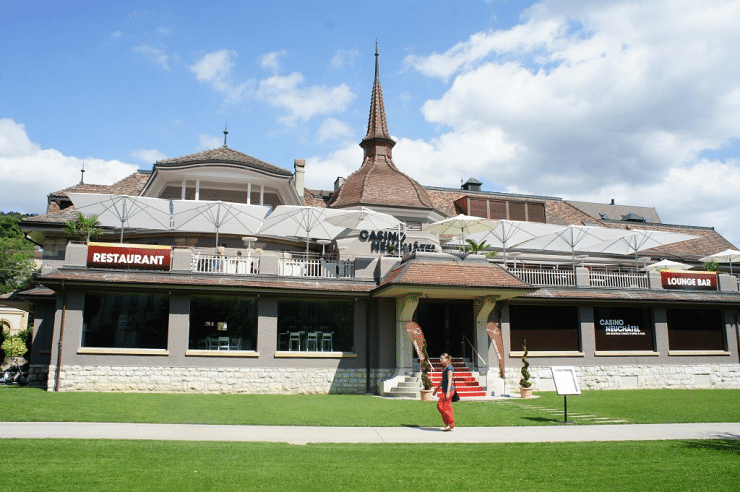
x: 378, y: 181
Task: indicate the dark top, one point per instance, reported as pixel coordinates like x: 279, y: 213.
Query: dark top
x: 447, y: 372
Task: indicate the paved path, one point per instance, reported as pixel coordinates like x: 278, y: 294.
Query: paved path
x: 303, y: 435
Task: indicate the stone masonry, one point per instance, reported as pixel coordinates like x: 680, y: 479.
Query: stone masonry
x: 226, y: 380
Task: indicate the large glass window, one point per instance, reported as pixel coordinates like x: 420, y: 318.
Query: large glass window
x: 125, y: 321
x: 619, y: 328
x: 546, y: 328
x: 695, y: 329
x: 316, y: 326
x: 223, y: 323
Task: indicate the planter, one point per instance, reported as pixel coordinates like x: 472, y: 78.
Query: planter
x: 426, y: 395
x: 525, y: 392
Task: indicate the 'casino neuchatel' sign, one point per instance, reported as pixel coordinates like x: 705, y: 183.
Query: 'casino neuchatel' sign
x: 128, y: 256
x: 689, y: 280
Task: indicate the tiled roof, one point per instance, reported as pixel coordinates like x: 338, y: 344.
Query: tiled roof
x: 451, y: 274
x: 130, y: 185
x: 223, y: 155
x: 53, y: 218
x: 679, y: 296
x: 379, y: 182
x: 192, y: 280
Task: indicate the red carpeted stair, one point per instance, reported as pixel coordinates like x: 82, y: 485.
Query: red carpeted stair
x: 464, y: 381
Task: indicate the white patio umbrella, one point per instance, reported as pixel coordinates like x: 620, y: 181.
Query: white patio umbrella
x: 364, y: 218
x: 461, y: 225
x: 124, y: 211
x: 726, y: 256
x: 572, y: 238
x: 636, y: 240
x: 221, y: 217
x: 667, y: 265
x: 300, y: 221
x: 509, y: 233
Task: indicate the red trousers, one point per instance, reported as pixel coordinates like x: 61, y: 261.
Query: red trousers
x: 444, y: 405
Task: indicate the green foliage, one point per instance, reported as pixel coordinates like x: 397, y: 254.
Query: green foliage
x: 710, y: 266
x: 16, y: 256
x: 84, y: 227
x: 425, y: 368
x: 525, y: 382
x: 14, y: 346
x: 474, y: 247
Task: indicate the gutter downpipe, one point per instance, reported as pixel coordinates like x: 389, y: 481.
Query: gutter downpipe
x: 367, y: 347
x: 61, y: 340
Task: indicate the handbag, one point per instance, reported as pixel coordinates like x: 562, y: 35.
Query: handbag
x: 455, y: 397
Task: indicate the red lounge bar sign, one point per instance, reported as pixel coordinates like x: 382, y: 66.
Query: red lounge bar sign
x: 689, y: 281
x: 128, y: 256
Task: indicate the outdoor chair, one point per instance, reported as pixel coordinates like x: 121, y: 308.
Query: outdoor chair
x: 327, y: 344
x: 312, y: 341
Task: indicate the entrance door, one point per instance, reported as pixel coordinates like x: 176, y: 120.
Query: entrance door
x: 445, y: 323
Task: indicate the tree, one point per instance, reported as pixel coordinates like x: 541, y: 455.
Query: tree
x: 16, y: 256
x: 84, y: 227
x: 474, y: 247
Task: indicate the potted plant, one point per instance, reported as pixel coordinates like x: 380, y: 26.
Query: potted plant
x: 525, y: 385
x: 426, y: 366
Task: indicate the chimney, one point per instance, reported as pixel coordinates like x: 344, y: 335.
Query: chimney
x: 299, y: 176
x: 338, y: 183
x: 612, y: 203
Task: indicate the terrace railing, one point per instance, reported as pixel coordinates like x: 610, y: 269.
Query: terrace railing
x: 315, y: 268
x: 621, y: 280
x: 230, y: 265
x: 544, y: 277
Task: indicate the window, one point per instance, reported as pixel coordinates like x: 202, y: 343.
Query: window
x: 695, y: 329
x: 623, y: 328
x: 316, y: 326
x: 501, y: 209
x: 223, y: 323
x: 125, y: 321
x: 546, y: 328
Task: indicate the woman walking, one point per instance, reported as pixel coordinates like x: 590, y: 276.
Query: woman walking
x: 446, y: 389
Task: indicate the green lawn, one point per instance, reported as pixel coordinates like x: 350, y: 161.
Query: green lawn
x: 64, y: 465
x: 59, y: 465
x: 591, y: 407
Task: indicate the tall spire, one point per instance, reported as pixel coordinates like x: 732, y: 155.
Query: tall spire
x: 226, y: 133
x: 377, y: 126
x: 82, y: 174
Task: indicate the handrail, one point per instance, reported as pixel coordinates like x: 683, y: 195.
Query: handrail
x: 234, y: 265
x: 623, y: 280
x: 473, y: 351
x: 544, y: 277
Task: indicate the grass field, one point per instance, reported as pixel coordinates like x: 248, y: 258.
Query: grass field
x: 637, y: 407
x: 61, y: 465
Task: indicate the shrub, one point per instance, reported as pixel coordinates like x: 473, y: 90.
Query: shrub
x: 525, y: 382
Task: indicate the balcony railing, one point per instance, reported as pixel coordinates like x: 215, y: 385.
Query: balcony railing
x: 317, y: 268
x: 231, y: 265
x: 544, y: 277
x: 621, y: 280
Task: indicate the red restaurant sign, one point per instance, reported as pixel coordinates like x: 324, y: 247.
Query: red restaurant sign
x: 689, y: 280
x: 128, y: 256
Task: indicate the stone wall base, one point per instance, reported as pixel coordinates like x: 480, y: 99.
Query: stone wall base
x: 688, y: 376
x: 227, y: 380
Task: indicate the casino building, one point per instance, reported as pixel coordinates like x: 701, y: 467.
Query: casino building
x: 183, y: 294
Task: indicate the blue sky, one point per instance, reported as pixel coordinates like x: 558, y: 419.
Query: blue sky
x: 633, y: 101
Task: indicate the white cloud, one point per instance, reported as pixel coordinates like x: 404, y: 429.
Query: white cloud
x: 271, y: 61
x: 302, y: 103
x: 156, y: 55
x: 216, y: 69
x: 30, y: 173
x: 344, y: 58
x: 594, y: 100
x: 206, y: 141
x: 340, y: 163
x: 333, y: 129
x: 148, y: 156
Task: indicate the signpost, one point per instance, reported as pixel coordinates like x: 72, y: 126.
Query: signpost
x: 565, y: 384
